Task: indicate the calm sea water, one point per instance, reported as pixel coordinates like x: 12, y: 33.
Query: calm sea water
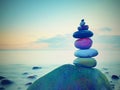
x: 52, y: 57
x: 13, y: 63
x: 36, y: 56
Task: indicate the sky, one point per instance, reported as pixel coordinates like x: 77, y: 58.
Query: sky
x: 49, y: 24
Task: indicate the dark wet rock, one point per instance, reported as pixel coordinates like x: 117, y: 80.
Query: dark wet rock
x: 115, y: 77
x: 70, y: 77
x: 36, y: 67
x: 32, y: 77
x: 6, y: 82
x: 25, y: 73
x: 1, y: 77
x: 29, y: 83
x: 2, y: 88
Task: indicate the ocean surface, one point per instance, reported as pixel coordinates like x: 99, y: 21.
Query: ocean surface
x: 16, y: 65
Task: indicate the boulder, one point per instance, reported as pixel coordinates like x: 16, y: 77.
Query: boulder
x: 70, y: 77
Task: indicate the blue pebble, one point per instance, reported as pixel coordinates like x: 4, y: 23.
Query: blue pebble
x: 83, y: 34
x: 88, y: 53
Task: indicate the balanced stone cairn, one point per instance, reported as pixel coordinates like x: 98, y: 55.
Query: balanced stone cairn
x: 83, y: 43
x: 68, y: 77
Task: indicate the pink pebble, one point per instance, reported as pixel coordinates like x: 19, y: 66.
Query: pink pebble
x: 83, y: 43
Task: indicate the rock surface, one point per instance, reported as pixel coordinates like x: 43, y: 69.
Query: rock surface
x: 70, y: 77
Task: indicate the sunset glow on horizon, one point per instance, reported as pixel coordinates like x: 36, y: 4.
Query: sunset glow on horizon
x: 40, y: 24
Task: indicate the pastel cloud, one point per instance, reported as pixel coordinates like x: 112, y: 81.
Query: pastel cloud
x: 106, y: 29
x: 57, y: 42
x: 107, y: 42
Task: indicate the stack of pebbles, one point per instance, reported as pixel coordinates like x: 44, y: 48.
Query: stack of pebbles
x: 83, y: 43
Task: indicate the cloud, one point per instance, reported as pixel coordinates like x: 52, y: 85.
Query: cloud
x: 109, y: 39
x: 110, y: 42
x: 106, y: 29
x: 58, y: 42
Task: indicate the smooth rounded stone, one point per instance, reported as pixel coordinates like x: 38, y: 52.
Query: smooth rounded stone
x: 86, y: 53
x: 83, y: 43
x: 85, y: 27
x: 70, y: 77
x: 85, y: 62
x: 83, y: 34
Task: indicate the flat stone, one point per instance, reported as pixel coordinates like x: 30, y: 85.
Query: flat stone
x: 70, y: 77
x: 83, y: 34
x: 83, y: 43
x: 86, y: 53
x: 85, y: 62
